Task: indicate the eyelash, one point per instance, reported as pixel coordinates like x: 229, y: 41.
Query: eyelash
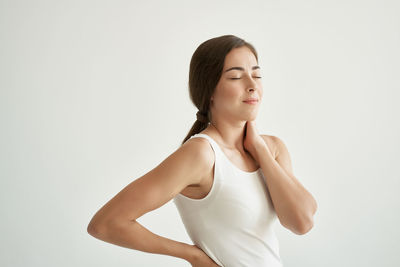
x: 239, y: 78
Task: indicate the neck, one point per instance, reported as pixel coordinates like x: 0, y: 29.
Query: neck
x: 230, y: 134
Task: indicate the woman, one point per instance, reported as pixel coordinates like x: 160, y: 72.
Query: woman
x: 229, y: 183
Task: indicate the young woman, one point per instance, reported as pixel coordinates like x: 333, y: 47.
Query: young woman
x: 229, y: 183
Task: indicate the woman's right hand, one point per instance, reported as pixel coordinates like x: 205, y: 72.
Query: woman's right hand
x: 201, y: 259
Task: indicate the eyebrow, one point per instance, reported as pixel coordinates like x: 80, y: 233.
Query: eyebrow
x: 242, y: 69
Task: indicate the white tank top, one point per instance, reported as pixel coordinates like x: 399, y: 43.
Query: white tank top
x: 234, y: 223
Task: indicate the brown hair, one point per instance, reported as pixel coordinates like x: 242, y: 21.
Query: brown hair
x: 205, y: 71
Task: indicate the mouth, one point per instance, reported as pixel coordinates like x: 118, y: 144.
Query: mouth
x: 251, y: 102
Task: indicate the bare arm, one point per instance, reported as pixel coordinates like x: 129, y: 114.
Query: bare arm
x: 132, y: 234
x: 116, y: 221
x: 294, y: 205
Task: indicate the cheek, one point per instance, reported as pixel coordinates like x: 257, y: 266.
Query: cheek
x: 230, y: 94
x: 260, y: 91
x: 227, y: 95
x: 230, y: 91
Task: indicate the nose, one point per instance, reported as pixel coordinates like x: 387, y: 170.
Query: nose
x: 252, y: 84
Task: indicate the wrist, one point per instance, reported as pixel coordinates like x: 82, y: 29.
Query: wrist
x: 189, y: 253
x: 261, y: 152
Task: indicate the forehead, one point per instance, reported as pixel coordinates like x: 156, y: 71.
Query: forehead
x: 240, y: 57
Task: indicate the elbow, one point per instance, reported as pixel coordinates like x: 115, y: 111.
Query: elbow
x: 303, y: 227
x: 96, y: 229
x: 104, y: 228
x: 306, y: 222
x: 100, y: 228
x: 299, y: 224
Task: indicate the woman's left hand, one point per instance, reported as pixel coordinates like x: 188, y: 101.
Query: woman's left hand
x: 253, y: 142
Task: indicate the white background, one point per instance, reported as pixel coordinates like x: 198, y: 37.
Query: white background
x: 94, y: 95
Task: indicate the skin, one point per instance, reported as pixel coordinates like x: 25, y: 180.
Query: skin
x: 229, y: 113
x: 233, y: 127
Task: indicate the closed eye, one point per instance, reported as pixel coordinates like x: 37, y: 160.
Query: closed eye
x: 257, y: 77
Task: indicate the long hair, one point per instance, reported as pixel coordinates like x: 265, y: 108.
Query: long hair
x: 205, y: 71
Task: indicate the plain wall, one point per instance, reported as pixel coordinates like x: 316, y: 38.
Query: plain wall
x: 94, y: 95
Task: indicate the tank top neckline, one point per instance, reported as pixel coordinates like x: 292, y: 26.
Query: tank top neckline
x: 226, y: 157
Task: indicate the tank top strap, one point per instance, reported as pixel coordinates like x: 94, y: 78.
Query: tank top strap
x: 216, y: 184
x: 214, y: 144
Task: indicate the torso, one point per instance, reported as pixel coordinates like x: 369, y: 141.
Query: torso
x: 244, y: 162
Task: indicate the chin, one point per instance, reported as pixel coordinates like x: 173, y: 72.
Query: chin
x: 250, y: 117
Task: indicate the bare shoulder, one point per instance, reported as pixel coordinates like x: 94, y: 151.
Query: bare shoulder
x: 272, y: 143
x: 202, y: 153
x: 200, y: 146
x: 282, y: 155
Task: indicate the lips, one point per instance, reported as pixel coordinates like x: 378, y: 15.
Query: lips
x: 252, y: 99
